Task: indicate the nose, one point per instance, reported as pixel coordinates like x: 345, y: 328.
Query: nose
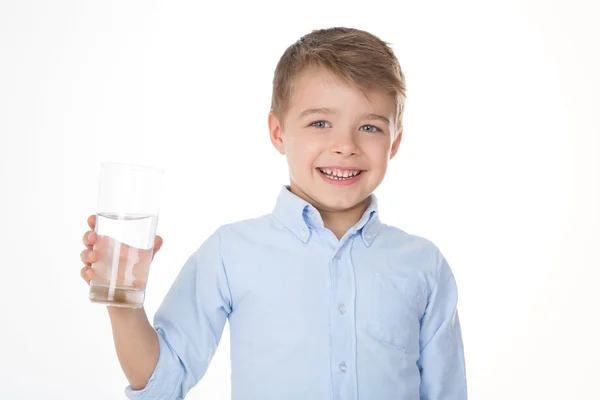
x: 345, y: 143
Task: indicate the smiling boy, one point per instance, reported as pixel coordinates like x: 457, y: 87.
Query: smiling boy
x: 324, y: 300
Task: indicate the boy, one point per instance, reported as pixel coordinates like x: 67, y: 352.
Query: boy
x: 324, y: 301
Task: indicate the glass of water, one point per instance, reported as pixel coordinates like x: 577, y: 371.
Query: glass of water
x: 126, y: 220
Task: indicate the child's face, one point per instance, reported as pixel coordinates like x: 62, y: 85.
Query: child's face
x: 345, y: 133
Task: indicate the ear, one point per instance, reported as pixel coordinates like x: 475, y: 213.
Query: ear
x: 275, y: 133
x: 396, y: 144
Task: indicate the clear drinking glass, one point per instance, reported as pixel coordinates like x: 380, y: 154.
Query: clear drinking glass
x: 126, y: 220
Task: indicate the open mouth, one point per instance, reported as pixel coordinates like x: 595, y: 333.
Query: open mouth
x: 339, y: 174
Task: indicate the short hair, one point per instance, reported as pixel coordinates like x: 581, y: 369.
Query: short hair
x: 355, y: 56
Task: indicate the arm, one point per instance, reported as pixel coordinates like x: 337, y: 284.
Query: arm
x: 136, y: 344
x: 188, y: 325
x: 441, y: 361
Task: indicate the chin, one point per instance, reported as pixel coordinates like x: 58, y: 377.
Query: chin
x: 339, y: 202
x: 331, y: 198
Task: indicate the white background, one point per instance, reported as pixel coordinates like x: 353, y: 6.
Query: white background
x: 498, y: 166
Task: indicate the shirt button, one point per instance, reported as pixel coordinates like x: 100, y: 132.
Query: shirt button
x: 368, y: 237
x: 343, y: 367
x: 342, y: 308
x: 303, y: 233
x: 338, y: 255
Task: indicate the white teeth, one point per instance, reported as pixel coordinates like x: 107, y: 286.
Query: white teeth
x: 337, y: 174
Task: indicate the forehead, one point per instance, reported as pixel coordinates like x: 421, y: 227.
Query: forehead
x: 317, y: 87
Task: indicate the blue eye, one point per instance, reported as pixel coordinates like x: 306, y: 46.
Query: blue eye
x: 314, y: 124
x: 374, y: 127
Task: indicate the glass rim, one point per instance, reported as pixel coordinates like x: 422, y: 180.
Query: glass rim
x: 147, y: 168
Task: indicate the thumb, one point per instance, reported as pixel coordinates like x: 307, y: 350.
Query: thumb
x: 158, y: 242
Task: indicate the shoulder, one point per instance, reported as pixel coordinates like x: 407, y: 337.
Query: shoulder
x: 417, y: 250
x: 248, y: 231
x: 396, y: 234
x: 393, y: 237
x: 233, y: 236
x: 248, y: 225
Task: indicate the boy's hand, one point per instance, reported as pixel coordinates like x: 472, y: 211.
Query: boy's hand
x: 89, y: 256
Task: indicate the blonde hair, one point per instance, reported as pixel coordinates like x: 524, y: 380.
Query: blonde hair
x: 356, y: 57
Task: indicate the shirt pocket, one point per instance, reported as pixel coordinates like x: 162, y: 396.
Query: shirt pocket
x: 396, y: 310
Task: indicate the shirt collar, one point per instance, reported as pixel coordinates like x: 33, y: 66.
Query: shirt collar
x: 300, y: 217
x: 369, y: 224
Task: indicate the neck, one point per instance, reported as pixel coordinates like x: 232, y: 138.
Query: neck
x: 337, y: 221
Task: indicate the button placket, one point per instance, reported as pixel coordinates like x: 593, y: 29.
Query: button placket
x: 343, y: 321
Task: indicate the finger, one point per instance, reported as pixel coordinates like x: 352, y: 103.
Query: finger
x: 89, y: 256
x: 92, y: 221
x: 157, y: 245
x: 87, y: 273
x: 158, y: 242
x: 89, y: 238
x: 139, y: 284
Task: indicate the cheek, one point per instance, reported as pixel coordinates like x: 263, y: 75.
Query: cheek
x: 379, y: 154
x: 302, y: 154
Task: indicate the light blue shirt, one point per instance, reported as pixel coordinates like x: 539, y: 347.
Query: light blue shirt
x: 372, y: 316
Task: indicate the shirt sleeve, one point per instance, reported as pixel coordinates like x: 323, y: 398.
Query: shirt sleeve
x: 441, y: 361
x: 189, y: 324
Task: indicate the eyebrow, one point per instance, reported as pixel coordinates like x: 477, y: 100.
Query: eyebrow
x: 310, y: 111
x: 325, y: 110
